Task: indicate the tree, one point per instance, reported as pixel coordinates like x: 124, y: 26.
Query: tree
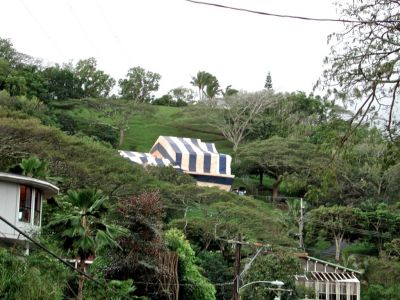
x: 8, y: 53
x: 121, y: 113
x: 164, y: 100
x: 277, y: 157
x: 195, y: 285
x: 268, y: 82
x: 336, y: 222
x: 139, y: 84
x: 90, y: 81
x: 238, y: 112
x: 229, y: 91
x: 282, y: 267
x: 181, y: 94
x: 143, y: 245
x: 34, y: 167
x: 392, y: 249
x: 292, y: 114
x: 293, y: 221
x: 212, y: 90
x: 36, y: 276
x: 363, y: 63
x: 201, y: 80
x: 83, y: 226
x: 61, y: 82
x: 383, y: 224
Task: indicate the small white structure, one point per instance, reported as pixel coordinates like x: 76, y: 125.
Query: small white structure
x: 21, y: 200
x: 328, y: 280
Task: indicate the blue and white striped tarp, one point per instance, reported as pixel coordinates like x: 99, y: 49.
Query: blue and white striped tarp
x: 145, y: 158
x: 193, y: 156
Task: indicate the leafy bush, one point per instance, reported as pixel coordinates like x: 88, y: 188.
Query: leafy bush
x: 31, y: 107
x: 81, y: 162
x: 34, y: 277
x: 101, y: 131
x: 377, y: 291
x: 271, y: 267
x: 217, y: 269
x: 195, y: 285
x: 170, y: 175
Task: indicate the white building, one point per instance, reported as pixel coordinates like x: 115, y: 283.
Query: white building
x: 21, y: 201
x: 328, y: 280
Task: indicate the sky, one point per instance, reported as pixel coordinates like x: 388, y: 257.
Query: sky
x: 176, y: 38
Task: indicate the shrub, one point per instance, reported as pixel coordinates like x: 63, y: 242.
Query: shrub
x: 195, y: 285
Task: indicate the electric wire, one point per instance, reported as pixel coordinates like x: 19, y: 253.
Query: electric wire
x: 114, y: 34
x: 36, y: 243
x: 83, y: 29
x: 42, y: 28
x: 48, y: 251
x: 291, y: 16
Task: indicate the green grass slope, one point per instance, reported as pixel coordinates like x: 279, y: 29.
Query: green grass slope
x: 144, y: 129
x: 171, y: 121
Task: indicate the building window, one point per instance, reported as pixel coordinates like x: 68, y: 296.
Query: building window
x: 25, y: 203
x: 322, y: 296
x: 38, y: 206
x: 353, y: 297
x: 332, y: 296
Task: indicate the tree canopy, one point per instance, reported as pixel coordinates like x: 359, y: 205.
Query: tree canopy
x: 139, y: 84
x: 363, y: 65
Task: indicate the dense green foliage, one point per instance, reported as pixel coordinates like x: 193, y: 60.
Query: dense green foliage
x: 34, y: 277
x: 271, y: 267
x: 196, y: 286
x: 59, y: 123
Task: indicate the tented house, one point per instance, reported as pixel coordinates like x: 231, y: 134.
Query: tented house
x: 192, y: 156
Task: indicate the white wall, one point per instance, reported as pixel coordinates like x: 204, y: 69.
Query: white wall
x: 9, y: 194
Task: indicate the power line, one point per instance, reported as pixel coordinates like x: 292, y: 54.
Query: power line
x: 80, y: 24
x: 88, y: 276
x: 114, y: 34
x: 292, y: 16
x: 42, y: 28
x: 55, y: 255
x: 350, y: 229
x: 49, y: 251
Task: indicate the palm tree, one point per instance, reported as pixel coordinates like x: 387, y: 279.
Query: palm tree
x: 201, y: 80
x: 229, y: 91
x: 84, y: 227
x: 212, y: 89
x: 34, y: 167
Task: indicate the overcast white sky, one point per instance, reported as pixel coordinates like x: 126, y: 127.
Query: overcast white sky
x: 176, y: 38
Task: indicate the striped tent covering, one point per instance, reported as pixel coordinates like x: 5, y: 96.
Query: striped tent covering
x: 145, y: 158
x: 199, y: 159
x: 192, y: 155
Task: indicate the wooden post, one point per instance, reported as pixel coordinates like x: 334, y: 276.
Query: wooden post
x: 236, y: 282
x: 301, y: 226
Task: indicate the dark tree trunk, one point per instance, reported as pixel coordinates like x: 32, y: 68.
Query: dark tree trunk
x: 121, y: 136
x: 261, y: 177
x: 81, y: 279
x: 275, y: 188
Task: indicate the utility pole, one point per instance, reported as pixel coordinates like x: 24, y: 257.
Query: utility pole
x: 236, y: 282
x: 301, y: 225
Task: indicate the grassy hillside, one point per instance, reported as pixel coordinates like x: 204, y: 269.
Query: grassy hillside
x: 174, y: 121
x: 144, y: 129
x: 80, y: 162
